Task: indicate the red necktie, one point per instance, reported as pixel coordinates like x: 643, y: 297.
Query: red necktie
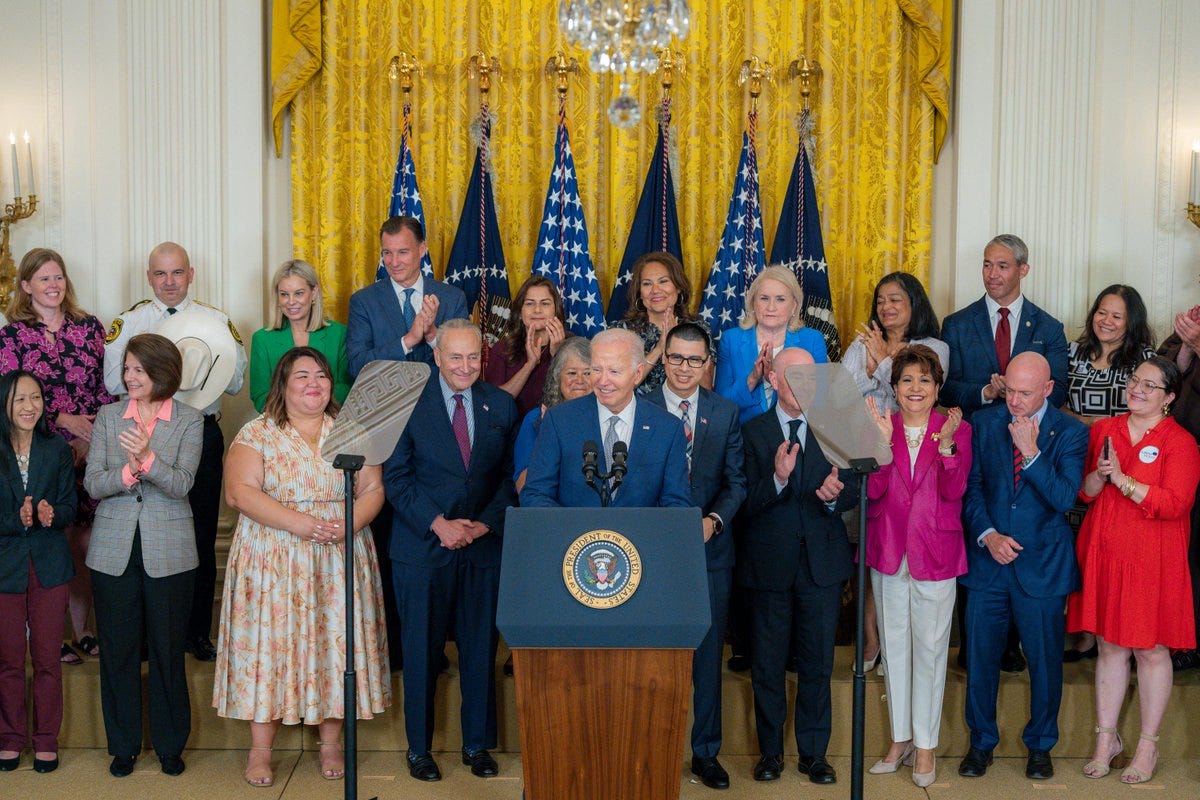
x: 459, y: 423
x: 1003, y: 341
x: 1017, y: 458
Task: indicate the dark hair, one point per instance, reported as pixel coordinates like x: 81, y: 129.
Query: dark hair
x: 161, y: 360
x: 921, y: 356
x: 1171, y: 376
x: 678, y: 277
x: 1138, y: 336
x: 394, y: 225
x: 514, y: 330
x: 8, y: 390
x: 689, y: 332
x: 275, y: 407
x: 923, y: 324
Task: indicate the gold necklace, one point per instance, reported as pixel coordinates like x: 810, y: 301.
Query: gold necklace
x: 915, y: 441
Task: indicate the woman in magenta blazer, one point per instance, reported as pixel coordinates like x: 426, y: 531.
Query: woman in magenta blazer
x: 915, y: 550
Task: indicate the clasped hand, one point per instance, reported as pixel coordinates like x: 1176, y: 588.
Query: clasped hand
x: 320, y: 531
x: 135, y: 442
x: 456, y: 534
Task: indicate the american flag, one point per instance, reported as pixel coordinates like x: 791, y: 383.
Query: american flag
x: 562, y: 255
x: 742, y: 251
x: 476, y: 263
x: 798, y: 244
x: 406, y: 197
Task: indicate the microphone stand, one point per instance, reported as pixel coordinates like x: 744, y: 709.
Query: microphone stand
x: 616, y: 475
x: 862, y: 467
x: 350, y: 464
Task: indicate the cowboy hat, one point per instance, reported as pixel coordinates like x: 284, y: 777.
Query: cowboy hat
x: 209, y: 355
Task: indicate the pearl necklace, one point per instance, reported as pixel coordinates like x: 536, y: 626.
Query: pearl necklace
x: 915, y: 441
x: 23, y: 461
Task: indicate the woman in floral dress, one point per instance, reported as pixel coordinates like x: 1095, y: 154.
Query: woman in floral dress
x: 281, y: 650
x: 49, y: 336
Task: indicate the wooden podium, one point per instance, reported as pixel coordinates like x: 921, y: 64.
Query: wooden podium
x: 603, y: 672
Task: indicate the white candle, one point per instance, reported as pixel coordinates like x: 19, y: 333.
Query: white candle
x: 12, y: 139
x: 1194, y: 194
x: 29, y: 153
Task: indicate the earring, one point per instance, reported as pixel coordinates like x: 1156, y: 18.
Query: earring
x: 1166, y: 409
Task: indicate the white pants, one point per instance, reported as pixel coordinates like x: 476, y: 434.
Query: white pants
x: 914, y: 630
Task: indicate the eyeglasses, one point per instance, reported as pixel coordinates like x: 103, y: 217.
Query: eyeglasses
x: 1134, y: 382
x: 677, y: 359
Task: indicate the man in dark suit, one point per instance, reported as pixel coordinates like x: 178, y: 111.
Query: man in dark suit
x: 657, y: 461
x: 983, y: 338
x: 1027, y: 467
x: 450, y: 481
x: 398, y: 319
x: 718, y: 487
x: 793, y: 557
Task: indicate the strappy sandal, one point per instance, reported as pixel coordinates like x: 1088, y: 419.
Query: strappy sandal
x: 68, y: 656
x: 260, y: 781
x: 1132, y: 774
x: 1097, y: 768
x: 331, y: 774
x: 89, y: 644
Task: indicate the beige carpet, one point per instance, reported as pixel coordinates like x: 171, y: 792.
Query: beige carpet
x: 217, y: 774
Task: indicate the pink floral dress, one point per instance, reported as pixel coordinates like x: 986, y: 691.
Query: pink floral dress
x: 281, y: 649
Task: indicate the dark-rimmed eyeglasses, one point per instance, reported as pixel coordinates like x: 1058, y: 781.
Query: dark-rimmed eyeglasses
x: 678, y: 359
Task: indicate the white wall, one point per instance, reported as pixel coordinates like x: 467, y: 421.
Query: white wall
x: 1073, y: 128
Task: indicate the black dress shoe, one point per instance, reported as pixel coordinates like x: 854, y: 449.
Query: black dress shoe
x: 45, y: 764
x: 121, y: 766
x: 171, y: 765
x: 975, y: 763
x: 1072, y: 656
x: 1012, y: 661
x: 738, y: 663
x: 201, y: 647
x: 9, y: 764
x: 1039, y: 767
x: 481, y: 763
x: 817, y: 769
x: 710, y: 772
x: 768, y: 768
x: 423, y: 767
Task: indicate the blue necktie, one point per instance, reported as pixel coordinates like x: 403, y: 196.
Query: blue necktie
x: 406, y: 308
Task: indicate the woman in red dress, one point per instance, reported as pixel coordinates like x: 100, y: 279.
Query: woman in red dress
x: 1132, y: 550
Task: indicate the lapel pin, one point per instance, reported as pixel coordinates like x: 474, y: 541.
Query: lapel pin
x: 1028, y: 324
x: 704, y: 420
x: 645, y: 427
x: 485, y: 408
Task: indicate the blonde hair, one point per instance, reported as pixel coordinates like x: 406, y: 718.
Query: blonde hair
x: 306, y: 272
x: 780, y: 273
x: 20, y: 308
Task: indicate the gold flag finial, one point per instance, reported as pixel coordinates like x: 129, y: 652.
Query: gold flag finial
x: 754, y: 71
x: 669, y: 62
x: 483, y: 67
x: 402, y: 68
x: 559, y: 67
x: 809, y: 74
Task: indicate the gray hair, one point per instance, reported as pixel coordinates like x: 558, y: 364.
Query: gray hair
x: 629, y: 339
x: 458, y: 324
x: 775, y: 272
x: 574, y: 347
x: 1012, y: 242
x: 306, y: 272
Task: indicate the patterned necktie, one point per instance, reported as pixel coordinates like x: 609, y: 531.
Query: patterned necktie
x: 406, y: 308
x: 1016, y: 467
x: 794, y: 432
x: 1003, y: 341
x: 686, y: 418
x: 610, y: 438
x: 459, y: 423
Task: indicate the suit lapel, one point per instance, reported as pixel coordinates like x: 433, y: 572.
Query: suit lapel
x: 440, y: 418
x: 483, y: 417
x: 983, y: 329
x: 700, y: 422
x: 928, y: 452
x: 900, y: 445
x: 1023, y: 335
x: 12, y: 474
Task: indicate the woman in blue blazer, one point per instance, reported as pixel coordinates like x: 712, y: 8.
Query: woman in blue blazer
x: 772, y: 322
x: 37, y: 503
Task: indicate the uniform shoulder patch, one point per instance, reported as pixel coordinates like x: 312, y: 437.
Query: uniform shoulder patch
x: 114, y: 331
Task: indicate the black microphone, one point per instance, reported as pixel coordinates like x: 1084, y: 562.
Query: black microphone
x: 620, y: 453
x: 591, y: 454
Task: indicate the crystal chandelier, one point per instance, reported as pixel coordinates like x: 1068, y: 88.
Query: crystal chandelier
x: 623, y: 36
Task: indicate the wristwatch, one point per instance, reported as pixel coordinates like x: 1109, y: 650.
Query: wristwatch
x: 718, y: 526
x: 952, y: 450
x: 1027, y: 460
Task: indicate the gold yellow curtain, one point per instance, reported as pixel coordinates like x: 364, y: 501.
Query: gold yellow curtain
x: 881, y: 102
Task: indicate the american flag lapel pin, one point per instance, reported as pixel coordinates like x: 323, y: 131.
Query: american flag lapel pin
x: 704, y: 420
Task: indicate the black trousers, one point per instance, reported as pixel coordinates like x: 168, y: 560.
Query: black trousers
x: 205, y: 499
x: 381, y: 533
x: 130, y: 607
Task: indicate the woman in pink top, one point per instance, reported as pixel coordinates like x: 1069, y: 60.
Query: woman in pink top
x: 915, y: 550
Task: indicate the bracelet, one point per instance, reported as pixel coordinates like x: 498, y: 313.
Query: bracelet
x: 1129, y: 487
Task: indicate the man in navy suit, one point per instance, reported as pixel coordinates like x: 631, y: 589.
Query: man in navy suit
x: 398, y: 319
x: 793, y: 557
x: 1026, y: 471
x: 984, y: 336
x: 450, y: 481
x: 657, y: 461
x: 718, y: 487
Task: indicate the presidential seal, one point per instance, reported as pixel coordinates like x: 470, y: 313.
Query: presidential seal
x: 602, y: 569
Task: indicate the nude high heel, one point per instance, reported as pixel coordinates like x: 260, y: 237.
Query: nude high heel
x: 1132, y: 774
x: 1097, y: 768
